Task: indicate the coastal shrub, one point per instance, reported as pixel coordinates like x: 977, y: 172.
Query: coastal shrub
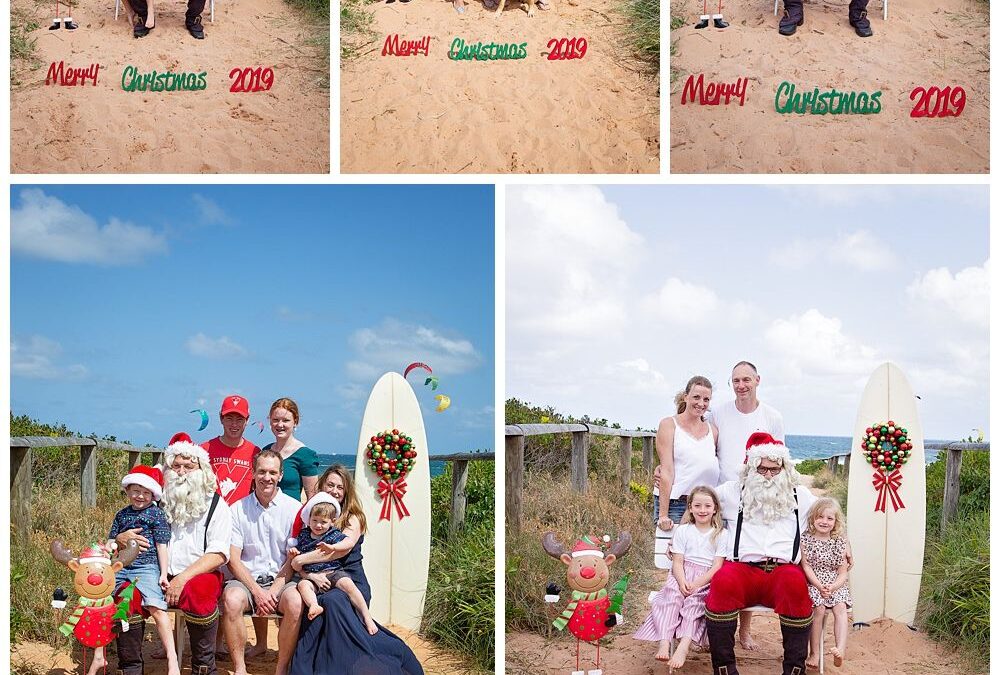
x: 809, y: 467
x: 355, y: 27
x: 479, y: 498
x: 642, y: 30
x: 955, y: 594
x: 974, y: 482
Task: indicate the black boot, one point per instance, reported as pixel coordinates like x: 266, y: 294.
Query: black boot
x: 721, y: 631
x: 720, y: 22
x: 69, y: 24
x: 858, y: 17
x: 56, y: 24
x: 795, y: 638
x: 129, y: 646
x: 793, y: 17
x: 203, y: 647
x: 703, y: 23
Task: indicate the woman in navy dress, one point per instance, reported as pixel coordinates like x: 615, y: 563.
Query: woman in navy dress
x: 336, y: 642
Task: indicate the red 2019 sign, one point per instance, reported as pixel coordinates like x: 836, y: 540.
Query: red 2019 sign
x: 941, y: 97
x: 249, y: 80
x: 563, y: 49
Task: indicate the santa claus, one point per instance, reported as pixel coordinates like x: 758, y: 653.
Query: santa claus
x: 766, y: 508
x: 200, y: 529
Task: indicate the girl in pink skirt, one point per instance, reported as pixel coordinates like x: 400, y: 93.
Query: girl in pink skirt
x: 698, y: 549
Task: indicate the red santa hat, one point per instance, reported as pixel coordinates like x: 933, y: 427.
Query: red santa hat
x: 762, y: 444
x: 95, y: 553
x: 586, y: 546
x: 302, y: 517
x: 148, y: 477
x: 186, y: 448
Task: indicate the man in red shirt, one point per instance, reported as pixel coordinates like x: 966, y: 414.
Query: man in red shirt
x: 230, y: 454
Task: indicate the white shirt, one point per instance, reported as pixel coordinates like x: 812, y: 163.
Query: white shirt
x: 262, y: 533
x: 695, y: 462
x: 697, y: 547
x: 187, y: 542
x: 734, y: 430
x: 757, y: 540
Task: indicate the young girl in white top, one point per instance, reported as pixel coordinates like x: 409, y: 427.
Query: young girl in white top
x: 824, y: 561
x: 698, y: 549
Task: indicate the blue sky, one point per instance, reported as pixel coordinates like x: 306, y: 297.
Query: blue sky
x: 131, y: 305
x: 619, y: 294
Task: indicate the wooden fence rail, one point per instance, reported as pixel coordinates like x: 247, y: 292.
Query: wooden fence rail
x: 514, y: 450
x: 20, y: 474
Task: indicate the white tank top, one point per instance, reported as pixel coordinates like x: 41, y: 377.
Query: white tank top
x: 695, y: 462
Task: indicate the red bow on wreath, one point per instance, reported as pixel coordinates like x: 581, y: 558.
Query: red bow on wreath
x: 888, y: 483
x: 392, y: 494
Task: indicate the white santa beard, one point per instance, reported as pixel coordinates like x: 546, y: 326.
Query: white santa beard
x: 187, y: 497
x: 768, y: 499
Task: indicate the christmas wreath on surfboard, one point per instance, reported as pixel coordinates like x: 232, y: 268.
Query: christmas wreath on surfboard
x: 391, y: 455
x: 887, y: 447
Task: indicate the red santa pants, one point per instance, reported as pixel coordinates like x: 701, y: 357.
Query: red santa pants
x: 199, y: 598
x: 739, y: 585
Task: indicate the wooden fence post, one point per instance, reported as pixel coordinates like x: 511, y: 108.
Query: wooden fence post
x: 514, y: 482
x: 134, y: 457
x: 88, y: 475
x: 952, y: 469
x: 578, y: 461
x: 647, y: 456
x: 625, y: 461
x: 459, y: 477
x: 20, y: 491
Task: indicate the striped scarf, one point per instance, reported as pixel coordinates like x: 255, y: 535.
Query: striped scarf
x: 67, y: 627
x: 563, y: 619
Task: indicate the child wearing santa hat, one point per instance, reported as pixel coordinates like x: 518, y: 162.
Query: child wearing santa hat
x: 143, y: 486
x: 317, y: 515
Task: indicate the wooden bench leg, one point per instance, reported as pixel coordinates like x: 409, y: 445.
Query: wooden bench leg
x: 179, y: 637
x: 822, y: 641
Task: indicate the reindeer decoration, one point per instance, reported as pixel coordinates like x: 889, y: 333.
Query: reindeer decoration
x: 92, y: 622
x: 587, y: 575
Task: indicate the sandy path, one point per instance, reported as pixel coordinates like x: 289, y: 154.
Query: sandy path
x: 43, y: 659
x: 432, y: 114
x: 104, y: 129
x: 924, y: 43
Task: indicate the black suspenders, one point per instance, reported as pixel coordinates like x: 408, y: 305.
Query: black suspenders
x: 739, y: 528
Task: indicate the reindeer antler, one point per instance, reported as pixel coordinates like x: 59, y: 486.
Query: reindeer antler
x: 128, y: 553
x: 552, y: 545
x: 60, y: 552
x: 621, y: 545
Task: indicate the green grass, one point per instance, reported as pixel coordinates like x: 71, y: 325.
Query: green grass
x: 355, y: 27
x: 642, y: 30
x: 22, y: 44
x: 318, y: 13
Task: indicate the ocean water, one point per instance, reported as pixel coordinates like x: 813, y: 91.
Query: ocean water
x: 821, y: 447
x: 437, y: 468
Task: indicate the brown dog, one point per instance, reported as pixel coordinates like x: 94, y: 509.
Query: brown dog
x: 529, y: 3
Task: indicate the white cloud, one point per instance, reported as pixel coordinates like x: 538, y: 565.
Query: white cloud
x: 833, y: 195
x: 393, y: 344
x: 859, y: 250
x: 569, y: 256
x: 964, y: 296
x: 209, y: 212
x: 683, y: 303
x: 635, y: 374
x: 215, y: 348
x: 813, y: 344
x: 46, y: 227
x: 36, y: 357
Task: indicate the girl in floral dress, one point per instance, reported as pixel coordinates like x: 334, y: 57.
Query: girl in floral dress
x: 824, y: 545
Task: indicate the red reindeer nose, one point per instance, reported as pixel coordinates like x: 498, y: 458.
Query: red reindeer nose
x: 95, y: 579
x: 588, y: 572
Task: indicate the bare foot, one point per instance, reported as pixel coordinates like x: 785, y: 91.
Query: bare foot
x: 812, y: 662
x: 746, y: 641
x: 838, y: 657
x: 663, y: 654
x: 370, y: 625
x: 680, y: 654
x: 255, y: 651
x: 314, y: 611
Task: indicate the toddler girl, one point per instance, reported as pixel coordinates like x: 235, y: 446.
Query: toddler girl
x: 824, y: 562
x: 698, y: 549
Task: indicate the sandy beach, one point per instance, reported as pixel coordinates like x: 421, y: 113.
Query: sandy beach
x: 105, y: 129
x: 924, y: 43
x: 35, y: 657
x: 598, y: 114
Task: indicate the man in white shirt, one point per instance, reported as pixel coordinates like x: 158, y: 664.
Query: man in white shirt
x: 262, y: 522
x: 767, y: 508
x: 200, y: 531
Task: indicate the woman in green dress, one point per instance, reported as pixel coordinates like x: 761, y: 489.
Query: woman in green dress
x: 299, y: 463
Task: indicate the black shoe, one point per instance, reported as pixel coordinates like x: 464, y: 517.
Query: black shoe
x: 701, y: 24
x: 197, y: 32
x: 862, y: 26
x: 721, y: 23
x: 69, y: 24
x: 139, y: 29
x: 56, y: 24
x: 787, y: 25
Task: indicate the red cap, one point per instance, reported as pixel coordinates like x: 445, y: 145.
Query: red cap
x: 235, y: 404
x: 180, y: 436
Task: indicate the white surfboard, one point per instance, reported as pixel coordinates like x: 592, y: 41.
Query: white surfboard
x: 888, y: 547
x: 396, y: 552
